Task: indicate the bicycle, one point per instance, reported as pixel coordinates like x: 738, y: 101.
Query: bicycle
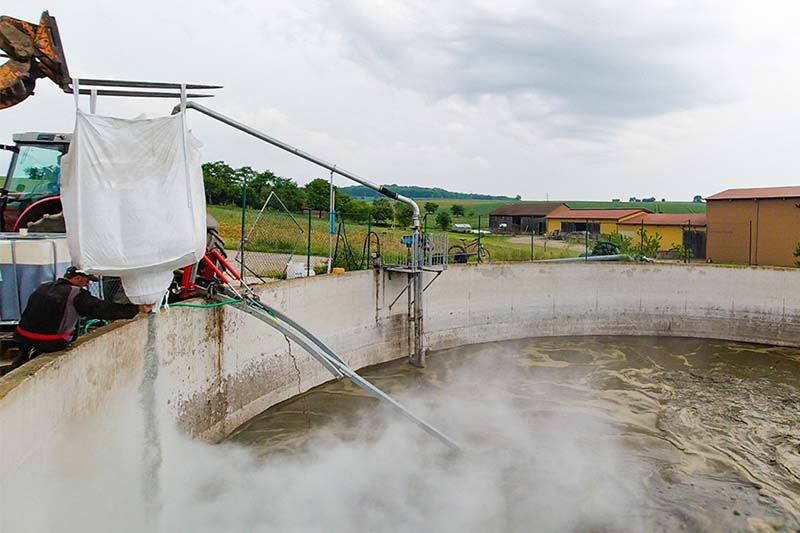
x: 462, y: 252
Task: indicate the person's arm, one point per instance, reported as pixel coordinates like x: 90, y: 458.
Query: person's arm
x: 91, y: 307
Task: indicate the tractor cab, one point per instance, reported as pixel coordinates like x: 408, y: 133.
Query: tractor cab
x: 30, y: 192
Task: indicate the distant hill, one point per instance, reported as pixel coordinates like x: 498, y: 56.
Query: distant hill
x: 420, y: 193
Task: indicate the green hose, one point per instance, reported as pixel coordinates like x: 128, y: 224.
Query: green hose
x: 90, y: 323
x: 205, y: 306
x: 94, y: 321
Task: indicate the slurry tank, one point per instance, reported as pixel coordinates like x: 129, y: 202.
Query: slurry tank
x: 562, y: 434
x: 579, y: 417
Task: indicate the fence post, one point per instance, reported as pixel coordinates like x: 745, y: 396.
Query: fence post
x: 532, y: 233
x: 241, y: 241
x: 641, y: 240
x: 691, y: 242
x: 586, y: 241
x: 369, y: 239
x: 479, y: 238
x: 308, y: 245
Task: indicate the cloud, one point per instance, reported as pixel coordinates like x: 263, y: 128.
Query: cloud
x: 553, y: 62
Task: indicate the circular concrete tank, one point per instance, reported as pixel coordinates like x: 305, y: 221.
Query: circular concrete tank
x: 71, y: 424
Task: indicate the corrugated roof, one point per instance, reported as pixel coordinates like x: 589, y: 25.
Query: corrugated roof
x: 595, y: 214
x: 526, y: 210
x: 757, y: 192
x: 668, y: 219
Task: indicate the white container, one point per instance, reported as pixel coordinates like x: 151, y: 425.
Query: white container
x: 298, y: 270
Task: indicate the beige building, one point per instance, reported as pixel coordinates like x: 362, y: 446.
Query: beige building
x: 758, y: 226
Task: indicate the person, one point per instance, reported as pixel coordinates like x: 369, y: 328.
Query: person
x: 49, y: 320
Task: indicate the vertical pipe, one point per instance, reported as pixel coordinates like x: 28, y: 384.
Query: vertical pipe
x: 332, y: 220
x: 308, y: 245
x: 750, y: 243
x: 241, y: 241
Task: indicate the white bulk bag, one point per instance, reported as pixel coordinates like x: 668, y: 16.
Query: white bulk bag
x: 134, y: 203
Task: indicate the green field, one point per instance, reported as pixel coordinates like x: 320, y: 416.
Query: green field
x: 279, y: 232
x: 481, y: 208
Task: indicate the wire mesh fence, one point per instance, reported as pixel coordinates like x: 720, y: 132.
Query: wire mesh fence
x: 272, y: 241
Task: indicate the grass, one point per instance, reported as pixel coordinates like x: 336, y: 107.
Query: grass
x: 278, y: 233
x: 481, y: 208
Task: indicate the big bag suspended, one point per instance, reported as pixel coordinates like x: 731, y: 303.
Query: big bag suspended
x: 134, y: 202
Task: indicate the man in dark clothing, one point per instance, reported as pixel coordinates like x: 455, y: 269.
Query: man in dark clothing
x: 49, y: 320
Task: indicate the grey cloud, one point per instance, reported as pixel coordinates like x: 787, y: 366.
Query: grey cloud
x: 603, y: 68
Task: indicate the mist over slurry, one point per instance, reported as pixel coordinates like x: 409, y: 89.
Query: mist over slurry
x: 560, y: 435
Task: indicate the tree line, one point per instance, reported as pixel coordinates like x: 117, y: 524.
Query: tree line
x: 225, y: 185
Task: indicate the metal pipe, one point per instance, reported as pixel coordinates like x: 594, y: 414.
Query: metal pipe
x: 308, y: 157
x: 332, y: 362
x: 145, y: 84
x: 138, y: 94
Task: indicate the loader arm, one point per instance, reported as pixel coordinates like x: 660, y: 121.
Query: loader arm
x: 34, y: 51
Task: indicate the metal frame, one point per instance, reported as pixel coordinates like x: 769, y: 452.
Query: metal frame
x: 417, y: 357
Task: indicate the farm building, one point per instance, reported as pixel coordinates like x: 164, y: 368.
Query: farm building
x: 521, y: 218
x: 688, y: 230
x: 596, y: 221
x: 758, y: 226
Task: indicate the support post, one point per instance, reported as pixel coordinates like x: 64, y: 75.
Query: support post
x: 418, y: 353
x: 479, y: 238
x: 586, y: 242
x: 241, y: 241
x: 691, y: 241
x: 369, y: 239
x: 332, y: 220
x: 641, y: 240
x: 532, y: 234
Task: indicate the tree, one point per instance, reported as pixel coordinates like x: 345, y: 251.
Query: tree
x: 343, y: 201
x: 218, y: 178
x: 649, y: 245
x: 350, y: 208
x: 457, y: 210
x: 318, y: 194
x: 382, y: 211
x: 518, y: 197
x: 431, y: 207
x: 443, y: 220
x: 697, y: 199
x: 403, y: 214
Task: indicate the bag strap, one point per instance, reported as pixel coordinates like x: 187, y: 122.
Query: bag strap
x: 76, y: 92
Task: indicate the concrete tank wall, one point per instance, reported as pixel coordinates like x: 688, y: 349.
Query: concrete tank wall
x: 220, y: 367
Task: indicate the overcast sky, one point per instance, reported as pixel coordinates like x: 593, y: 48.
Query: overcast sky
x: 558, y: 99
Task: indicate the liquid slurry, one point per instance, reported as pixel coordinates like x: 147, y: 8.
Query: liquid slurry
x: 151, y: 449
x: 561, y: 434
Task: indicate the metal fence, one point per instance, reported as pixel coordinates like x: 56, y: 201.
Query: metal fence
x: 277, y: 243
